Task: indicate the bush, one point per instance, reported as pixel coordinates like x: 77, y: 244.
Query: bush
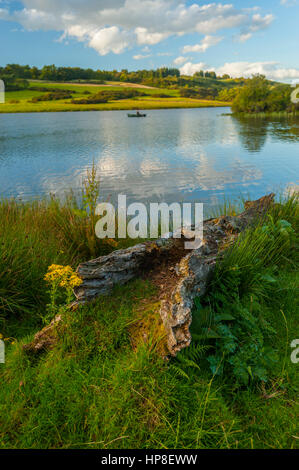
x: 92, y: 100
x: 258, y: 96
x: 51, y: 89
x: 14, y: 84
x: 161, y: 95
x: 110, y: 95
x: 199, y: 93
x: 53, y: 96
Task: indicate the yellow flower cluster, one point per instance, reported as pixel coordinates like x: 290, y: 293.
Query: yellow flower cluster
x: 63, y: 275
x: 6, y: 339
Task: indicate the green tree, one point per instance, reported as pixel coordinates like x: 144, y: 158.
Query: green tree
x: 253, y: 97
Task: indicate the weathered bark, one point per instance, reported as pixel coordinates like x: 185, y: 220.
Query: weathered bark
x: 195, y: 269
x: 186, y: 277
x: 102, y: 274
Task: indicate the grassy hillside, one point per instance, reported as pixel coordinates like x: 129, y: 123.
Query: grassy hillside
x: 20, y: 101
x: 105, y: 385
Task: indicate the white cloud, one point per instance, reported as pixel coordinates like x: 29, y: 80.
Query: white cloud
x: 207, y: 42
x: 144, y: 36
x: 272, y: 70
x: 258, y: 23
x: 115, y: 25
x: 164, y: 54
x: 244, y: 37
x: 190, y: 69
x: 109, y: 40
x: 180, y: 60
x: 141, y: 56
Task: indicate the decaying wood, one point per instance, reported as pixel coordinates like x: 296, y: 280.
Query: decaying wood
x: 102, y: 274
x: 187, y: 273
x: 196, y: 268
x: 46, y: 338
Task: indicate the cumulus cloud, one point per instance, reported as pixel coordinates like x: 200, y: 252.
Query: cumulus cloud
x: 207, y: 42
x: 272, y: 70
x: 109, y: 40
x: 191, y: 69
x: 116, y: 25
x: 258, y: 23
x: 144, y: 36
x: 180, y: 60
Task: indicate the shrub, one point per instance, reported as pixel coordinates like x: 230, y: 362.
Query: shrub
x: 109, y: 95
x: 258, y: 96
x: 92, y: 100
x: 53, y: 96
x: 199, y: 93
x: 161, y: 95
x: 51, y: 89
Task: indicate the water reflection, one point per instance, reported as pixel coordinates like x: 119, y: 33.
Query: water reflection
x: 254, y: 131
x: 173, y: 155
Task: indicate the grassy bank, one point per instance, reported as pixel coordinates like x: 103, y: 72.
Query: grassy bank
x: 103, y: 386
x: 20, y: 101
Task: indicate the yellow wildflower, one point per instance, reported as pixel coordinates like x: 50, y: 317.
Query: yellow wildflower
x: 63, y: 275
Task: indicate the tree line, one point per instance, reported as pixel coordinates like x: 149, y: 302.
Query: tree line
x: 161, y: 77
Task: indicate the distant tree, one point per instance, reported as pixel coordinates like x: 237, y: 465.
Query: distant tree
x: 228, y: 94
x: 252, y: 98
x: 259, y: 95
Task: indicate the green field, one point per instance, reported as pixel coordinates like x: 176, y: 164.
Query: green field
x: 151, y: 101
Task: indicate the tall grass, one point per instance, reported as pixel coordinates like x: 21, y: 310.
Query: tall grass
x: 34, y: 235
x: 269, y: 245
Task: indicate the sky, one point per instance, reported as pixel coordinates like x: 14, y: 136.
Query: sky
x: 238, y: 37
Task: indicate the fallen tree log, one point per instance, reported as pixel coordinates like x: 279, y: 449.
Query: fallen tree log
x: 185, y: 273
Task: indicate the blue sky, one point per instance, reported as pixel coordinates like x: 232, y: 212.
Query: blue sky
x: 239, y: 37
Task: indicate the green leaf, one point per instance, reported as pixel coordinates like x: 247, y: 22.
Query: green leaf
x: 284, y: 224
x: 268, y: 278
x: 209, y: 333
x: 224, y: 317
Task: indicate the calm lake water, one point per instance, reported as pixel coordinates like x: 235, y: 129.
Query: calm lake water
x: 171, y: 155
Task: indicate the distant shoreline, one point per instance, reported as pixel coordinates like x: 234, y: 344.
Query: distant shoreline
x: 30, y: 111
x: 21, y: 101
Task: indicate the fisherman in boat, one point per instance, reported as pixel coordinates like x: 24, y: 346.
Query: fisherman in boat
x: 138, y: 113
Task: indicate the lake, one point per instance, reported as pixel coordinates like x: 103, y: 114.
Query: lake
x: 171, y: 155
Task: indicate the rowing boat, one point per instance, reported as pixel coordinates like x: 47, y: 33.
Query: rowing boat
x: 136, y: 115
